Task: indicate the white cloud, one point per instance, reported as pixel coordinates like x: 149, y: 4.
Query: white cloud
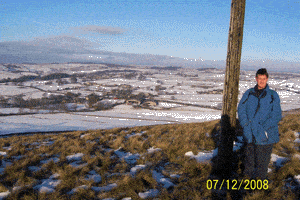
x: 99, y: 29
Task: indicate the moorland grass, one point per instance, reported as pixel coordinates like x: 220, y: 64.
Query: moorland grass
x: 171, y: 142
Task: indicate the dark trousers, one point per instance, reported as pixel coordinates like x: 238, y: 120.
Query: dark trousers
x: 256, y: 161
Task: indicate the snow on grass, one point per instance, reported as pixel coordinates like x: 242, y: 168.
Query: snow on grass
x: 76, y: 157
x: 202, y: 156
x: 133, y: 134
x: 3, y: 195
x: 54, y: 159
x: 136, y: 168
x: 85, y: 187
x: 7, y: 148
x: 94, y: 176
x: 152, y: 150
x: 174, y: 176
x: 128, y: 157
x: 18, y: 157
x: 297, y: 135
x: 162, y: 180
x: 4, y: 165
x: 278, y: 160
x: 48, y: 185
x: 104, y: 188
x: 34, y: 168
x: 149, y: 194
x: 78, y: 164
x: 297, y: 178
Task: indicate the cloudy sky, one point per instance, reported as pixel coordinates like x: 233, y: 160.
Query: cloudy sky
x: 58, y: 31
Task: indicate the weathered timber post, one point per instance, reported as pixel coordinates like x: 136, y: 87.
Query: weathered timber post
x: 231, y: 86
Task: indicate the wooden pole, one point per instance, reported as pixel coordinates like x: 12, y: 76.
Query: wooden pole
x: 231, y: 86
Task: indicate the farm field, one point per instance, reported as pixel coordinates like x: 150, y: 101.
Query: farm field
x: 65, y: 97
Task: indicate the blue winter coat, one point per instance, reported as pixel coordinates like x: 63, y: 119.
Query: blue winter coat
x: 259, y: 116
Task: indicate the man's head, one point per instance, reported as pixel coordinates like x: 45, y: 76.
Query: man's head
x: 262, y: 78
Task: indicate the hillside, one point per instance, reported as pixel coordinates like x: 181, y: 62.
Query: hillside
x: 75, y: 96
x: 165, y: 161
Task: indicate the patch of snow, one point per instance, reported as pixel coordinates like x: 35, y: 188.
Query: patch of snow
x: 34, y: 168
x: 297, y: 140
x: 149, y: 194
x: 269, y: 170
x: 94, y: 176
x: 105, y: 188
x: 18, y: 157
x: 77, y: 156
x: 128, y: 157
x: 3, y: 153
x: 297, y: 178
x: 152, y: 150
x: 133, y: 134
x: 54, y: 159
x: 48, y: 143
x: 4, y: 165
x: 296, y: 156
x: 7, y: 148
x: 35, y: 143
x: 16, y: 188
x: 82, y: 136
x: 78, y: 164
x: 175, y: 176
x: 114, y: 174
x: 77, y: 188
x: 54, y: 176
x: 202, y: 157
x: 3, y: 195
x: 162, y: 180
x: 136, y: 168
x: 278, y: 160
x: 47, y: 186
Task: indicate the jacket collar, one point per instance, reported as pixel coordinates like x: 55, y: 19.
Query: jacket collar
x: 260, y: 93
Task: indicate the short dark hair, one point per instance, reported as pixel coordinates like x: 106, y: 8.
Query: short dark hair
x: 262, y: 71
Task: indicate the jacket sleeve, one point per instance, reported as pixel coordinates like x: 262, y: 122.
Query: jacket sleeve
x: 243, y: 118
x: 275, y: 116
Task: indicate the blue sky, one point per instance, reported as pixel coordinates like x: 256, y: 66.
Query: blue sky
x: 195, y: 29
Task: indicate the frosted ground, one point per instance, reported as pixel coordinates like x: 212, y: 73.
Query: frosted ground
x: 187, y: 86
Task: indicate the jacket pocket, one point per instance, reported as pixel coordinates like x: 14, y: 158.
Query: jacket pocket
x: 262, y: 135
x: 273, y: 134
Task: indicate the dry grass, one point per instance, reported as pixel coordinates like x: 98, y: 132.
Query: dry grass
x: 98, y: 148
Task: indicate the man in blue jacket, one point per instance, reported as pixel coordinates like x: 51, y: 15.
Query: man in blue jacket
x: 259, y: 112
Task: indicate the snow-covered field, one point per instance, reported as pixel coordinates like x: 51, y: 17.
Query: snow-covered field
x: 120, y: 116
x: 186, y: 85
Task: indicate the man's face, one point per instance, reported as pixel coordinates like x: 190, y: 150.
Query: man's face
x: 261, y: 81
